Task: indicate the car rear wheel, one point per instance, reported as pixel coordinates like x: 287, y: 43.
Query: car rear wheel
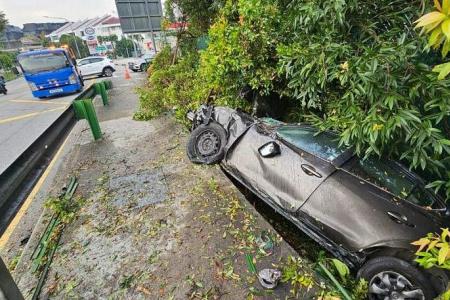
x: 206, y: 144
x: 393, y: 278
x: 108, y: 72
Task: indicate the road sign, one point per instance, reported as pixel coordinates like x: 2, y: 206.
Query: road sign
x: 89, y: 31
x: 138, y: 16
x: 101, y: 48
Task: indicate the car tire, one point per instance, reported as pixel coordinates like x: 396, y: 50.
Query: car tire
x: 108, y: 72
x: 385, y: 274
x: 206, y: 144
x: 134, y: 70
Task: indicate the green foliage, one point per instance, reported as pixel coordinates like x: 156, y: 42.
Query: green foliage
x: 434, y: 250
x: 357, y: 67
x: 124, y: 47
x: 241, y: 50
x: 170, y: 86
x: 293, y: 274
x: 7, y: 60
x: 73, y: 42
x: 3, y: 21
x: 64, y: 207
x: 198, y: 13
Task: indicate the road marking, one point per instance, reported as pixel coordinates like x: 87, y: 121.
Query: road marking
x: 38, y: 102
x: 16, y: 118
x: 13, y: 225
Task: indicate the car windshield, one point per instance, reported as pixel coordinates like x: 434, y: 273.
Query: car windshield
x: 394, y: 179
x: 323, y: 144
x: 43, y: 62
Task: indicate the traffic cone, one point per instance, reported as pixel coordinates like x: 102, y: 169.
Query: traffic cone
x: 127, y: 74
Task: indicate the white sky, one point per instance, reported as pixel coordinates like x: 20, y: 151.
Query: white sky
x: 19, y: 12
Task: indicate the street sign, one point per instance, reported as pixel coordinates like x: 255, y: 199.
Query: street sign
x: 89, y: 31
x: 101, y: 48
x: 137, y: 16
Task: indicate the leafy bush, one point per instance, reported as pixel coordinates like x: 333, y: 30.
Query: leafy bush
x: 170, y: 86
x: 357, y: 67
x: 434, y: 250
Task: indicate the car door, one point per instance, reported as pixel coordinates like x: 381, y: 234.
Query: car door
x: 96, y: 65
x: 84, y: 67
x: 371, y: 203
x: 286, y: 179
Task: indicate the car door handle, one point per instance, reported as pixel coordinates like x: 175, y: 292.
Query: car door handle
x: 311, y: 171
x: 398, y: 218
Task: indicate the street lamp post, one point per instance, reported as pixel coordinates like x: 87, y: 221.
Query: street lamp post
x: 72, y: 34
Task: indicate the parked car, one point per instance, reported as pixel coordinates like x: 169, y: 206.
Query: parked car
x: 141, y: 63
x: 365, y: 212
x: 96, y: 66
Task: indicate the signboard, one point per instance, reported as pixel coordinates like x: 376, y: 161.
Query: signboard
x: 138, y: 16
x: 90, y: 35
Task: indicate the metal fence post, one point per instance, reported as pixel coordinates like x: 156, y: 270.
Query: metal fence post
x: 103, y: 93
x: 100, y: 89
x: 8, y: 288
x: 91, y: 117
x: 84, y: 109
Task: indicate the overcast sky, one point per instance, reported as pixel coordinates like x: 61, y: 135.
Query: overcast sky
x: 19, y: 12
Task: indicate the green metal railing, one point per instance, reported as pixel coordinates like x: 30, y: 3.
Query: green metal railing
x: 84, y: 106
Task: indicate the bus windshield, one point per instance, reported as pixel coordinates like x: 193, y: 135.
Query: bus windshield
x: 37, y: 63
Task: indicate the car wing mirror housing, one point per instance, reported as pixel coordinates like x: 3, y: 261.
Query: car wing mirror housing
x: 269, y: 150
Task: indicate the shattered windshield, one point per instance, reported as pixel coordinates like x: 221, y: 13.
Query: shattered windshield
x: 43, y: 62
x: 324, y: 144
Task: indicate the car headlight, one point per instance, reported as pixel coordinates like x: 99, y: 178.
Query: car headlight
x: 73, y: 79
x: 33, y: 86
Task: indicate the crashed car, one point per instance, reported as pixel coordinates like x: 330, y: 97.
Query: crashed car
x: 365, y: 212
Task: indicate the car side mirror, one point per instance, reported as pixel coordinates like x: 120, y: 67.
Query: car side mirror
x: 269, y: 150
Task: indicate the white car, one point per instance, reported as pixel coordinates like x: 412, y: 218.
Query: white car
x: 96, y: 66
x: 141, y: 63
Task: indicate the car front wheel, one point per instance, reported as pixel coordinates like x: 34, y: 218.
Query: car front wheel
x: 393, y: 278
x: 206, y: 144
x: 108, y: 72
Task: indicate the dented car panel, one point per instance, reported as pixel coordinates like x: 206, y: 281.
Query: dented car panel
x: 312, y: 183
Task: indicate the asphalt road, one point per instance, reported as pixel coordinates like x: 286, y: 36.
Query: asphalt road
x: 24, y: 118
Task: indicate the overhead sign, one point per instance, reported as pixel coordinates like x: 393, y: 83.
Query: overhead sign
x: 138, y: 16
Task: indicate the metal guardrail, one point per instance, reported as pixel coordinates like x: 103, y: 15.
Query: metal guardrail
x: 19, y: 179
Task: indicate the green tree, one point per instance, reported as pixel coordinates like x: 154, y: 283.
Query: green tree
x: 124, y: 47
x: 73, y: 42
x: 3, y: 21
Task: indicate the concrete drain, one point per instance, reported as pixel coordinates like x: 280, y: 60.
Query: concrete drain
x: 138, y: 190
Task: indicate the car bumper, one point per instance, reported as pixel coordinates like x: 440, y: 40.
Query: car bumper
x: 134, y: 67
x: 57, y: 91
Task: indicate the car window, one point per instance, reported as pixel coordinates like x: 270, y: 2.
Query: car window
x: 392, y: 178
x: 95, y: 60
x: 324, y: 144
x: 83, y: 62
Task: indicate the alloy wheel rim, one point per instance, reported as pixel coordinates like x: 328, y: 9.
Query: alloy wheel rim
x: 393, y: 286
x: 208, y: 144
x: 108, y: 73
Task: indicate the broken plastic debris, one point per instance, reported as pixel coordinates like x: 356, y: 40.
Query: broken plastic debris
x: 265, y: 243
x: 269, y: 278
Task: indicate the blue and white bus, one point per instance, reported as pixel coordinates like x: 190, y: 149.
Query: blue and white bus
x: 50, y: 72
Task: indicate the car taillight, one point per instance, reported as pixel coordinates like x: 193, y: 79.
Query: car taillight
x: 33, y: 86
